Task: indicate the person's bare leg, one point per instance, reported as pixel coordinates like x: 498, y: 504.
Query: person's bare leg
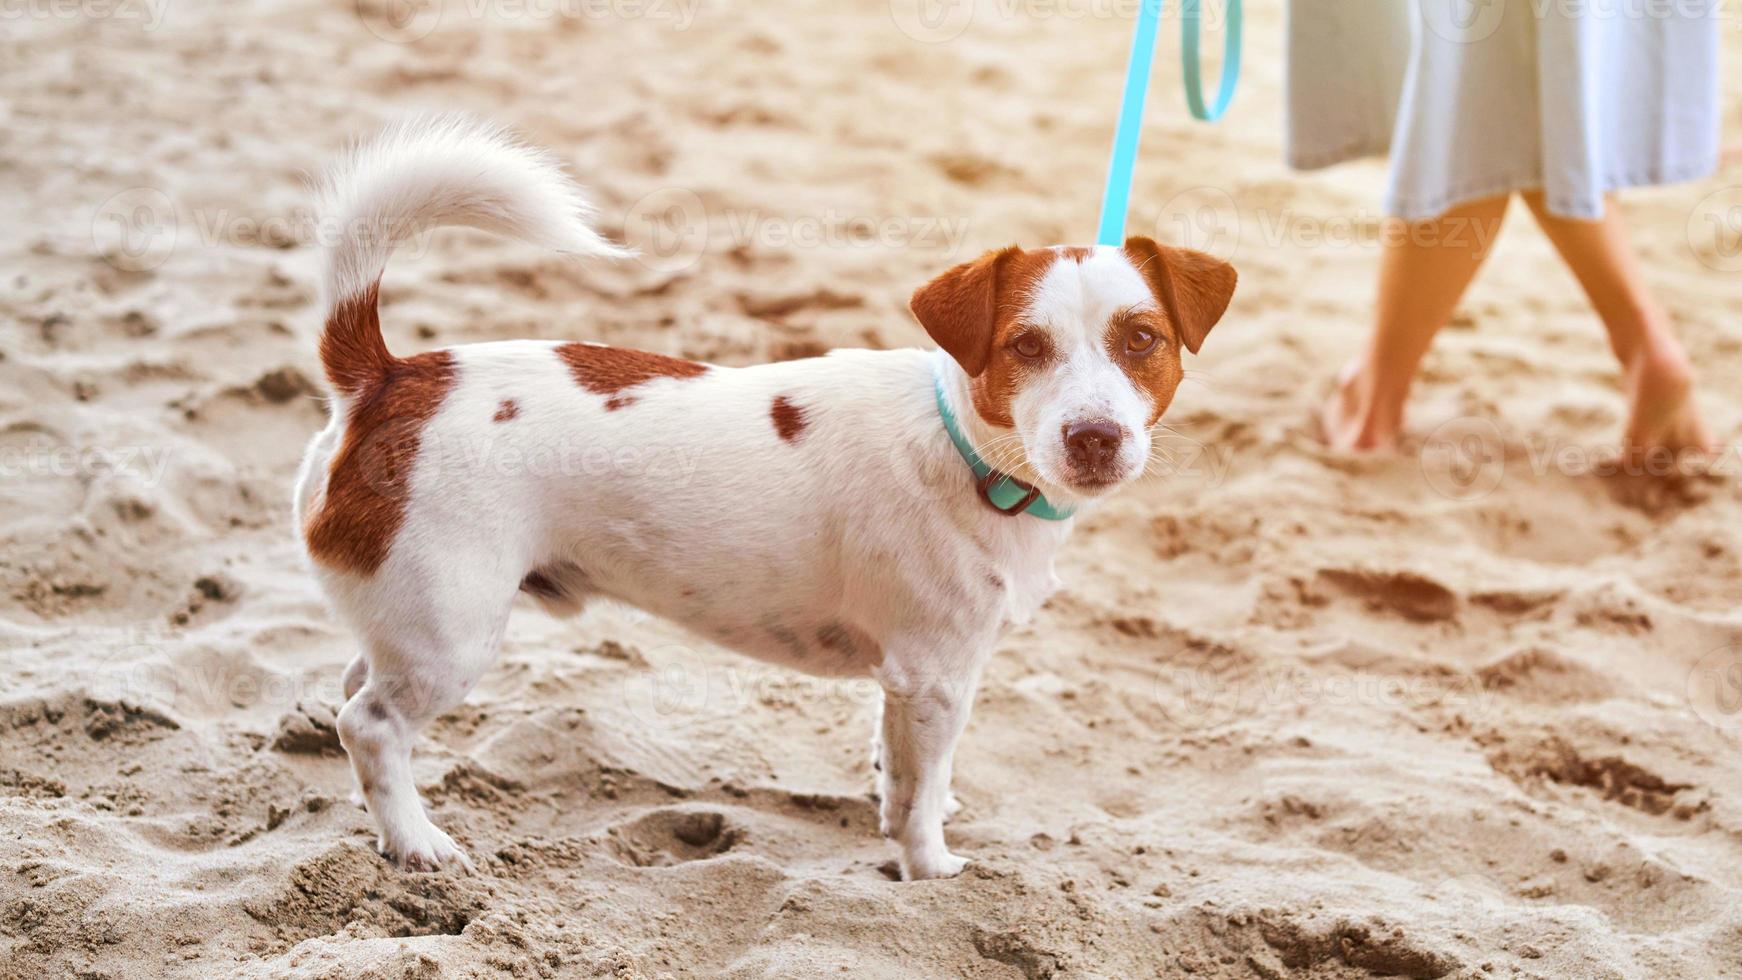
x: 1655, y: 372
x: 1424, y: 268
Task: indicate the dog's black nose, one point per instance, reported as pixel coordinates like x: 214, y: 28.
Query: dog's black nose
x: 1092, y: 445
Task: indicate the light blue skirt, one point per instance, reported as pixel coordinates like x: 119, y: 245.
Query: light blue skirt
x: 1476, y: 98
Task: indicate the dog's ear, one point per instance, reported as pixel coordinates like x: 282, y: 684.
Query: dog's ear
x: 960, y: 308
x: 1193, y: 288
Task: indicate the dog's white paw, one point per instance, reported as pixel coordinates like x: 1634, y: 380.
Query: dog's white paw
x: 938, y: 864
x: 427, y: 848
x: 952, y: 806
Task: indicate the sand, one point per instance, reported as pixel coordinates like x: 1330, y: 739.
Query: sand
x: 1468, y: 710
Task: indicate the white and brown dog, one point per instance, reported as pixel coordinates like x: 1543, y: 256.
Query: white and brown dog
x: 805, y: 534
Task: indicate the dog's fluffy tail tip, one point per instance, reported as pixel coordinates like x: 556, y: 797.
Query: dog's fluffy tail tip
x: 428, y: 171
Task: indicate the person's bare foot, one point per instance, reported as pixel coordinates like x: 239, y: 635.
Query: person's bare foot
x: 1351, y: 421
x: 1662, y: 419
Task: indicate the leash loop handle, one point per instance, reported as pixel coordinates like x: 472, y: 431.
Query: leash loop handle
x: 1189, y: 31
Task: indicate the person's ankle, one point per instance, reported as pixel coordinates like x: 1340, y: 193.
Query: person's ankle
x: 1664, y: 366
x: 1365, y: 416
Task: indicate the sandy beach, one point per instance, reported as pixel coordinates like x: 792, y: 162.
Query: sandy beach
x: 1469, y: 710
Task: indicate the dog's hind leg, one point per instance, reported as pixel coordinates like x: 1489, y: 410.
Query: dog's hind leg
x: 355, y: 675
x: 424, y: 654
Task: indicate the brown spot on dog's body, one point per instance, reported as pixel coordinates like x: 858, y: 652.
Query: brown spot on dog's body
x: 367, y: 479
x: 506, y: 411
x: 611, y: 370
x: 789, y: 419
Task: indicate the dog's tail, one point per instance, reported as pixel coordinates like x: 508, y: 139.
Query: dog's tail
x: 420, y: 174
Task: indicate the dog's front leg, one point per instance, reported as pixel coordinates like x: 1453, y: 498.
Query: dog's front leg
x: 920, y: 726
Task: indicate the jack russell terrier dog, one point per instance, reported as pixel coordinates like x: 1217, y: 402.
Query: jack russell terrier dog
x: 875, y: 513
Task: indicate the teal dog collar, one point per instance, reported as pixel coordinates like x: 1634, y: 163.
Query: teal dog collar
x: 1002, y: 492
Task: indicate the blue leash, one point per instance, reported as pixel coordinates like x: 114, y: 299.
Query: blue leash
x: 1117, y: 198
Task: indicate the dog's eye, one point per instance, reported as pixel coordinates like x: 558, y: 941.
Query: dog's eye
x: 1140, y: 342
x: 1029, y: 345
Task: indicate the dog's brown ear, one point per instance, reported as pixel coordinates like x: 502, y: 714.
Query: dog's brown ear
x: 960, y: 308
x: 1193, y: 288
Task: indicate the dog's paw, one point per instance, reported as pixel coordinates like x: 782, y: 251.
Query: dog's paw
x: 426, y: 849
x: 941, y: 864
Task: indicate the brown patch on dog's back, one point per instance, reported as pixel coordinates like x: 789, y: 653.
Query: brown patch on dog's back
x: 611, y: 370
x: 506, y: 411
x: 367, y: 479
x: 789, y: 419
